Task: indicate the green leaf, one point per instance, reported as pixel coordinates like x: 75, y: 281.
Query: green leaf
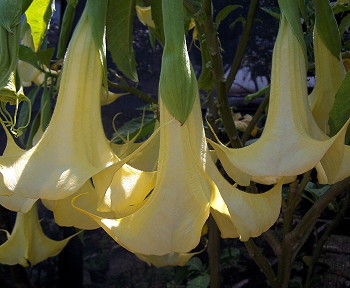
x: 132, y: 127
x: 157, y: 17
x: 45, y: 108
x: 291, y: 9
x: 340, y: 112
x: 223, y: 13
x: 38, y: 16
x: 10, y: 13
x: 24, y: 112
x: 45, y: 56
x: 28, y: 55
x: 344, y: 25
x: 273, y: 11
x: 327, y: 27
x: 33, y: 129
x: 196, y: 264
x: 66, y: 28
x: 202, y: 281
x: 234, y: 23
x: 339, y: 8
x: 120, y: 16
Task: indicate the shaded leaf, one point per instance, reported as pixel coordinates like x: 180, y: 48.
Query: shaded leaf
x: 223, y: 13
x: 327, y: 26
x: 344, y: 25
x: 10, y: 13
x: 202, y: 281
x: 239, y: 19
x: 157, y: 17
x: 120, y: 17
x: 340, y: 112
x: 273, y: 11
x: 133, y: 127
x: 196, y: 264
x: 291, y: 10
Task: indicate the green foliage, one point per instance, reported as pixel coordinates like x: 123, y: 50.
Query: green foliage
x: 341, y: 108
x: 290, y: 10
x: 344, y: 25
x: 327, y: 26
x: 38, y: 16
x: 223, y: 13
x: 157, y: 17
x: 132, y: 128
x: 120, y: 15
x: 41, y: 57
x: 10, y: 14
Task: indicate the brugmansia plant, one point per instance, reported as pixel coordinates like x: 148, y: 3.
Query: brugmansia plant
x: 157, y: 197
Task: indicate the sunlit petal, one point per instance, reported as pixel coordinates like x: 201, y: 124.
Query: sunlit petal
x: 73, y: 147
x: 291, y: 143
x: 66, y: 215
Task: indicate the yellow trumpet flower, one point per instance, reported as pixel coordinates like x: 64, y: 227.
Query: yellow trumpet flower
x: 73, y: 147
x: 291, y: 143
x: 170, y: 219
x: 27, y: 245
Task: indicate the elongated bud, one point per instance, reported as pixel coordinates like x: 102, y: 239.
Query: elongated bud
x: 178, y: 84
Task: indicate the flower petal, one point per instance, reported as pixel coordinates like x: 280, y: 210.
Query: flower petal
x: 27, y: 244
x: 66, y: 215
x: 173, y: 215
x: 73, y: 147
x: 243, y: 214
x: 292, y: 142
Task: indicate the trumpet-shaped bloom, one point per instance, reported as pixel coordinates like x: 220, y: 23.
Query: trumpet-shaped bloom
x: 172, y: 216
x: 27, y: 245
x: 73, y: 147
x: 291, y: 143
x: 170, y: 219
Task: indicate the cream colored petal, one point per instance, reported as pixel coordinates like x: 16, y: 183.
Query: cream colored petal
x: 173, y: 215
x: 243, y: 214
x: 107, y: 187
x: 292, y: 142
x: 335, y: 165
x: 145, y: 16
x: 27, y: 73
x: 122, y: 150
x: 128, y: 189
x: 17, y: 203
x: 110, y: 97
x: 66, y: 215
x: 147, y: 157
x: 330, y: 73
x: 27, y: 244
x: 73, y: 147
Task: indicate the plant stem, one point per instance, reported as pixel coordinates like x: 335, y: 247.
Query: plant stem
x: 317, y: 208
x: 242, y: 45
x: 291, y: 242
x: 255, y: 119
x: 319, y: 246
x: 270, y: 237
x: 218, y: 74
x: 214, y: 253
x: 134, y: 91
x: 261, y: 261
